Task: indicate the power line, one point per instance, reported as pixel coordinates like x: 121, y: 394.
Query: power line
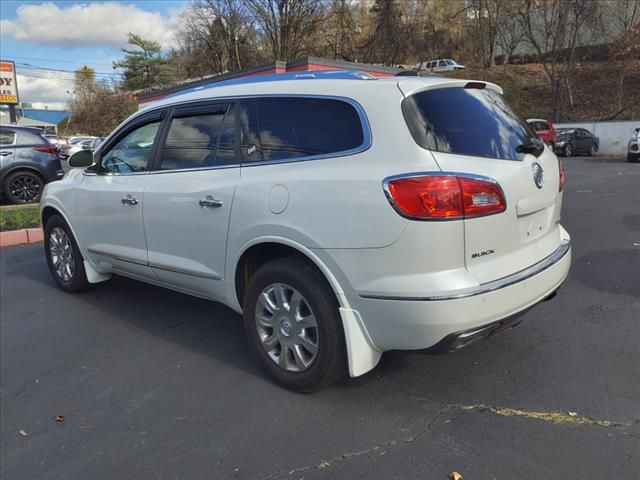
x: 53, y: 60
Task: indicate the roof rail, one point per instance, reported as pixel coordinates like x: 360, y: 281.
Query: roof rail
x: 276, y: 77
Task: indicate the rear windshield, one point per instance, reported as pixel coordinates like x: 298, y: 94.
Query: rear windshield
x: 466, y: 121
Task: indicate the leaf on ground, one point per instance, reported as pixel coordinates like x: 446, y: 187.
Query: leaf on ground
x: 23, y: 433
x: 455, y: 476
x: 59, y: 418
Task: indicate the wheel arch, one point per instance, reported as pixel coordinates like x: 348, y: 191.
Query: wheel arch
x: 362, y: 354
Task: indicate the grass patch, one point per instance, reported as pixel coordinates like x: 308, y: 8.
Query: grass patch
x: 16, y: 218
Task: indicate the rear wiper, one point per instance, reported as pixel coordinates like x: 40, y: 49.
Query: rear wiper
x: 536, y: 147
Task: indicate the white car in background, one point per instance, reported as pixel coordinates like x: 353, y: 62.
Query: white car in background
x: 342, y: 215
x: 440, y: 65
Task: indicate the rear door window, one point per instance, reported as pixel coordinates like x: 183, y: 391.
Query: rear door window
x: 466, y: 121
x: 296, y: 127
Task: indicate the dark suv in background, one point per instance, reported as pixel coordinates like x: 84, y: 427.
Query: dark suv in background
x: 576, y: 141
x: 27, y: 162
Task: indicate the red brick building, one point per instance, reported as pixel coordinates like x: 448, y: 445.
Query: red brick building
x: 297, y: 65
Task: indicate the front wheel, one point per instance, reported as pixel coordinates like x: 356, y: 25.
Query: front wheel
x: 293, y: 325
x: 63, y: 256
x: 593, y: 150
x: 568, y: 150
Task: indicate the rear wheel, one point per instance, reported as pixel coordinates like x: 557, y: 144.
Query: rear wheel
x: 63, y: 256
x: 293, y: 325
x: 23, y: 187
x: 593, y: 150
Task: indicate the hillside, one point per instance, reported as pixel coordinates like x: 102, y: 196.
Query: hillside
x: 596, y: 89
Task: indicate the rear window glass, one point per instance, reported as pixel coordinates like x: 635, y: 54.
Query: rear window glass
x: 7, y: 137
x: 301, y: 127
x: 466, y: 121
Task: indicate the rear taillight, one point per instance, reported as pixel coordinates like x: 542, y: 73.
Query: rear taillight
x: 441, y: 197
x: 561, y: 171
x: 50, y: 149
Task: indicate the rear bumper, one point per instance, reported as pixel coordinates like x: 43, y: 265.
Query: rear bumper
x: 414, y: 323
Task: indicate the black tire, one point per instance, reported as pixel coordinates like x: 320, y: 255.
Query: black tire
x: 568, y: 150
x: 552, y: 146
x: 23, y: 186
x: 593, y: 149
x: 331, y: 361
x: 78, y: 279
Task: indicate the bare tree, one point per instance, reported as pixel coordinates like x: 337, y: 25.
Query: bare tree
x: 511, y: 34
x: 488, y: 19
x: 287, y: 25
x: 340, y: 30
x: 554, y: 28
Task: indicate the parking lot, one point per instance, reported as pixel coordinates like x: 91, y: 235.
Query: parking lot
x: 155, y: 384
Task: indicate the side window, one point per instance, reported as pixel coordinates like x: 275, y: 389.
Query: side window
x: 7, y: 137
x: 542, y: 126
x: 442, y: 63
x: 301, y: 127
x: 132, y: 152
x: 192, y: 140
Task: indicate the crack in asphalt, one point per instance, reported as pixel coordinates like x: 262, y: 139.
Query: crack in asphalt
x: 375, y: 448
x: 553, y: 417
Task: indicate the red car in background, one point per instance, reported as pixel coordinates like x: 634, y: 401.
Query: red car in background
x: 544, y: 129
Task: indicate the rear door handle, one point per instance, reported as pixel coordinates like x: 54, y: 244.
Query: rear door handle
x: 129, y: 200
x: 5, y: 153
x: 210, y: 202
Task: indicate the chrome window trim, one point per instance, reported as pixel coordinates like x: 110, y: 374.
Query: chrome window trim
x: 364, y: 123
x: 367, y: 139
x: 387, y: 193
x: 494, y: 285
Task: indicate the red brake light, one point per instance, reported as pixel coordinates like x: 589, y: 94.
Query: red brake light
x: 50, y: 149
x: 561, y: 171
x: 445, y: 196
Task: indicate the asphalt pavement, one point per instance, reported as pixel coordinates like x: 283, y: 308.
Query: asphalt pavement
x: 153, y: 384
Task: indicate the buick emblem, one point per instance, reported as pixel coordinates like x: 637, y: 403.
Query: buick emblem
x: 538, y: 174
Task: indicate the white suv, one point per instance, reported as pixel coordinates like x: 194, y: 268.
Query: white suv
x: 342, y: 215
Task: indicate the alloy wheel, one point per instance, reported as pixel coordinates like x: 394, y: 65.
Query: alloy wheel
x: 61, y: 252
x: 287, y: 327
x: 25, y: 188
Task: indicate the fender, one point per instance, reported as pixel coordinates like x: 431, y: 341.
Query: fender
x: 93, y: 275
x: 23, y: 166
x: 362, y: 355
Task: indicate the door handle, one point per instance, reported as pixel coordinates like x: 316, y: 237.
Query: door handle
x: 129, y: 200
x: 5, y: 153
x: 210, y: 202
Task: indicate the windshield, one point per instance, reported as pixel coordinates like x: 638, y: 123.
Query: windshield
x: 467, y: 121
x: 450, y: 62
x: 564, y: 133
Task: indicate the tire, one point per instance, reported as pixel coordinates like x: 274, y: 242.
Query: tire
x: 67, y: 267
x: 270, y: 325
x: 568, y: 150
x: 552, y: 146
x: 593, y: 150
x: 23, y: 186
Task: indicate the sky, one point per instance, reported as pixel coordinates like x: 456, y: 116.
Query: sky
x: 43, y: 37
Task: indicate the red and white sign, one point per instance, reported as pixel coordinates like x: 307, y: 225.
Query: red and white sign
x: 8, y: 83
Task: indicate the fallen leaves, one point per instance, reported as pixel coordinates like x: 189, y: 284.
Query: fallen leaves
x: 455, y: 476
x: 58, y: 418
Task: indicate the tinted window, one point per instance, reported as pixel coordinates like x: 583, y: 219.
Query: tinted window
x: 442, y: 63
x: 300, y: 127
x: 132, y: 152
x: 192, y: 140
x: 467, y: 121
x: 7, y: 137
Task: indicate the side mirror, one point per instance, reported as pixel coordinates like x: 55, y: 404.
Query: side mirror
x: 81, y: 159
x: 85, y: 147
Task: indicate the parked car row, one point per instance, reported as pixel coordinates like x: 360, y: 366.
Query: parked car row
x: 565, y: 141
x: 79, y: 143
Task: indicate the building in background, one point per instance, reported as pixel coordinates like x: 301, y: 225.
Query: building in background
x: 297, y: 65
